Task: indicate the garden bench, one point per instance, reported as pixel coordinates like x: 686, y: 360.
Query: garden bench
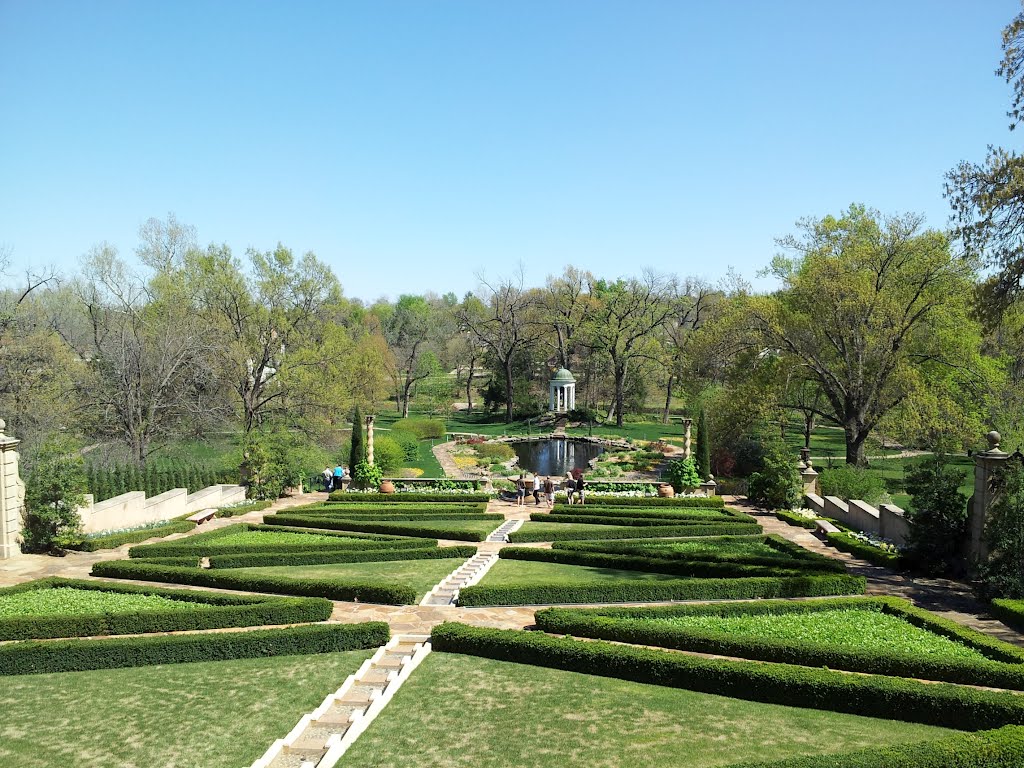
x: 202, y: 516
x: 825, y: 527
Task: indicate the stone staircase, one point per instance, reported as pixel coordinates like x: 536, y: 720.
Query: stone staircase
x: 321, y: 737
x: 467, y: 574
x: 502, y: 532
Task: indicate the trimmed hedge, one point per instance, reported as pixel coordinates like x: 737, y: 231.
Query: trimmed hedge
x: 676, y: 566
x: 395, y: 529
x: 653, y: 514
x: 241, y: 509
x: 847, y: 543
x: 399, y: 498
x: 1005, y: 670
x: 705, y: 502
x: 231, y: 611
x: 401, y: 517
x: 525, y: 534
x: 31, y: 657
x: 640, y: 522
x: 798, y: 520
x: 1002, y: 748
x: 655, y: 591
x: 1010, y: 612
x: 332, y: 589
x: 345, y: 509
x: 264, y: 559
x: 115, y: 540
x: 941, y: 704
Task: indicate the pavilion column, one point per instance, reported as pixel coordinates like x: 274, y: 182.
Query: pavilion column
x: 12, y: 495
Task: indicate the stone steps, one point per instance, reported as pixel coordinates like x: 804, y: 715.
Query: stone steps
x: 322, y: 733
x: 470, y: 572
x: 502, y: 532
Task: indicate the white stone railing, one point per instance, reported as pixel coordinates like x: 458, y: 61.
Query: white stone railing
x: 133, y: 509
x: 887, y: 520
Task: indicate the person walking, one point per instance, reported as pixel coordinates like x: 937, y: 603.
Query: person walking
x: 570, y: 486
x: 536, y: 490
x: 521, y: 491
x: 580, y: 485
x: 339, y: 475
x: 549, y: 492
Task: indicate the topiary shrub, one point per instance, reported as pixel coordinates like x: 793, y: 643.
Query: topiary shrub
x: 682, y: 473
x: 777, y: 484
x: 388, y: 454
x: 424, y: 429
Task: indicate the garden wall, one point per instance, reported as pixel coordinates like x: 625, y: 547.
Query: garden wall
x: 887, y: 521
x: 133, y: 509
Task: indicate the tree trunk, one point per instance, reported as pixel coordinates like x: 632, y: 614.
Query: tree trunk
x: 668, y: 399
x: 856, y: 434
x: 808, y: 428
x: 620, y: 395
x: 469, y: 386
x: 405, y: 396
x: 508, y: 391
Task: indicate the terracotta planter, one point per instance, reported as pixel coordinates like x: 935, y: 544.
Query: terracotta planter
x: 387, y: 487
x: 666, y: 491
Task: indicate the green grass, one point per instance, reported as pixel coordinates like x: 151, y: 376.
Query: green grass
x: 65, y: 601
x: 439, y: 526
x: 462, y: 712
x: 254, y: 538
x: 726, y: 550
x: 847, y: 629
x: 893, y: 475
x: 426, y: 460
x: 221, y: 714
x: 531, y: 573
x: 420, y: 575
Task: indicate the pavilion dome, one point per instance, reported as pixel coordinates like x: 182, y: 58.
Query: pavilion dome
x: 563, y: 375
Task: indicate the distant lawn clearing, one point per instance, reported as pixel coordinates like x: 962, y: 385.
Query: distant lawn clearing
x: 420, y: 575
x: 221, y: 714
x: 66, y: 601
x: 456, y: 711
x: 530, y: 573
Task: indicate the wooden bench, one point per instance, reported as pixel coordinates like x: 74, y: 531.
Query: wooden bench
x: 825, y: 527
x: 202, y: 516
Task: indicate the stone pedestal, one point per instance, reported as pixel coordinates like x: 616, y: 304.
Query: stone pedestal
x: 986, y: 466
x: 808, y: 474
x: 688, y: 424
x: 12, y: 496
x: 369, y: 440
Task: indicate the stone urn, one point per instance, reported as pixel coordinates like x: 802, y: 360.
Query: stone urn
x: 666, y: 491
x: 387, y: 486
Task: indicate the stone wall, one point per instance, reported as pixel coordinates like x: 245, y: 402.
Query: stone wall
x: 130, y: 510
x: 12, y: 496
x: 887, y: 521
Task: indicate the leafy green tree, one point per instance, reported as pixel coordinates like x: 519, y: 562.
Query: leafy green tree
x: 702, y: 453
x: 366, y: 475
x: 357, y: 452
x: 1002, y: 575
x: 777, y: 484
x: 55, y: 488
x: 877, y: 312
x: 682, y: 473
x: 937, y: 517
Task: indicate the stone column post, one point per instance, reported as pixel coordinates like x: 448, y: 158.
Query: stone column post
x: 12, y: 496
x: 688, y: 423
x: 986, y: 464
x: 808, y: 475
x: 369, y: 440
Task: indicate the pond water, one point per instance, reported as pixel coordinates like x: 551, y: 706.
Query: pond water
x: 555, y: 457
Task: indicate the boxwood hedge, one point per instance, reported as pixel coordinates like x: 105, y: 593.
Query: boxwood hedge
x: 34, y: 657
x: 652, y: 514
x: 1002, y: 748
x: 574, y: 533
x: 941, y: 704
x: 847, y: 543
x: 798, y: 520
x: 263, y: 559
x: 398, y: 529
x: 655, y: 591
x: 332, y: 589
x: 342, y: 497
x: 1004, y: 669
x: 240, y: 509
x: 228, y: 611
x: 544, y: 517
x: 1010, y: 612
x: 706, y: 502
x: 115, y: 540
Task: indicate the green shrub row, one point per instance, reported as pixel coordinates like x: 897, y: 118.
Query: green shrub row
x: 654, y: 591
x: 797, y: 520
x: 398, y: 498
x: 891, y: 698
x: 402, y: 517
x: 187, y: 562
x: 847, y: 543
x: 115, y: 540
x: 544, y: 517
x: 633, y: 626
x: 661, y: 513
x: 396, y: 529
x: 1002, y: 748
x: 230, y: 611
x: 264, y: 559
x: 571, y: 533
x: 705, y: 502
x: 675, y: 566
x: 32, y: 657
x: 241, y: 509
x: 155, y: 478
x: 1010, y: 612
x: 408, y: 508
x: 332, y: 589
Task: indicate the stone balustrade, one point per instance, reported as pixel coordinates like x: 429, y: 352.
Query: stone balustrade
x: 132, y: 509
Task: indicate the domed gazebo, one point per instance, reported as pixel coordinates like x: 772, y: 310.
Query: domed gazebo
x: 562, y: 390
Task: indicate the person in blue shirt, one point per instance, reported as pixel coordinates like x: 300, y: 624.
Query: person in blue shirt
x: 339, y: 475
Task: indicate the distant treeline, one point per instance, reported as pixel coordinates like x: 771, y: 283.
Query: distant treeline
x: 155, y: 478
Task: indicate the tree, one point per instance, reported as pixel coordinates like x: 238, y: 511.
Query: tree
x: 55, y: 487
x: 988, y: 198
x: 506, y: 326
x: 937, y: 517
x: 566, y: 303
x: 777, y: 484
x: 410, y: 328
x: 1002, y: 575
x: 357, y: 451
x: 703, y: 449
x: 696, y: 305
x: 876, y: 310
x: 622, y: 325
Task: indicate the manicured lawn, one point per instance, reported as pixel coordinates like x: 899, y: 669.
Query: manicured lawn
x: 258, y: 538
x: 439, y: 526
x: 532, y: 531
x: 460, y: 711
x: 220, y: 714
x: 849, y: 629
x: 420, y: 575
x: 66, y: 601
x: 725, y: 549
x: 530, y: 573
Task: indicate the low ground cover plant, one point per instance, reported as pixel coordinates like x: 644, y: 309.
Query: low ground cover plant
x: 552, y: 531
x: 115, y: 539
x: 463, y: 530
x: 859, y: 545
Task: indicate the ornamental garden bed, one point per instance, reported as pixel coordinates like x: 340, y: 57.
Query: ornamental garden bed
x: 462, y: 530
x: 214, y: 714
x: 885, y: 635
x: 555, y: 531
x: 456, y: 707
x: 55, y: 607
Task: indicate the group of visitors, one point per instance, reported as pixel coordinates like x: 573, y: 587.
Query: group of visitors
x: 333, y: 479
x: 525, y: 485
x: 575, y: 486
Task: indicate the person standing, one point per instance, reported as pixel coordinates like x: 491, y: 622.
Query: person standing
x: 326, y: 476
x: 536, y: 490
x: 570, y: 486
x: 549, y: 492
x: 580, y: 485
x: 521, y: 491
x: 339, y: 475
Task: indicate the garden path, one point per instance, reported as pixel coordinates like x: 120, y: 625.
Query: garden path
x: 952, y: 599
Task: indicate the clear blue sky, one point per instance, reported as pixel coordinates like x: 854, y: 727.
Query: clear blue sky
x: 413, y: 144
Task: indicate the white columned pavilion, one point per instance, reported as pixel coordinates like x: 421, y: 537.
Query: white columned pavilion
x: 562, y: 392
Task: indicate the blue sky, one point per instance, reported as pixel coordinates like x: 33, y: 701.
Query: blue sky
x: 412, y: 145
